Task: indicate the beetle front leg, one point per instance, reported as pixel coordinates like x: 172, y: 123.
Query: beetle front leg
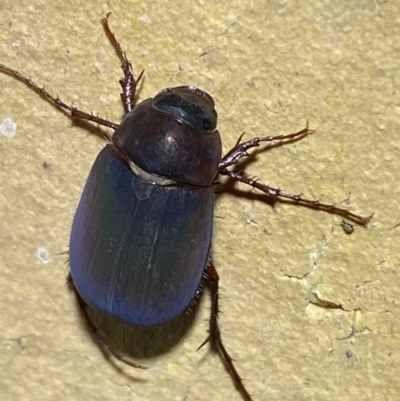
x: 129, y: 83
x: 214, y: 337
x: 240, y: 149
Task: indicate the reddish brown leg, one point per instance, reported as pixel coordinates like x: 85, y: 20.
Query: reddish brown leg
x: 214, y: 336
x: 128, y: 86
x: 276, y: 193
x: 104, y: 346
x: 129, y: 83
x: 240, y: 150
x: 55, y: 100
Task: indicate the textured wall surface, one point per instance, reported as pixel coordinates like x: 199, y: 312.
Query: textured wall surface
x: 270, y: 67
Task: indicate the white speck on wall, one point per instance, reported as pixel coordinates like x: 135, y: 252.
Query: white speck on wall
x: 8, y: 127
x: 145, y: 19
x: 44, y: 255
x: 313, y: 259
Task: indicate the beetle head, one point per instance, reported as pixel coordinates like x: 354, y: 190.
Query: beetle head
x: 173, y: 135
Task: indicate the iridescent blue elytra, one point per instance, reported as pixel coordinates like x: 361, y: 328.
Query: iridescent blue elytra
x: 142, y: 232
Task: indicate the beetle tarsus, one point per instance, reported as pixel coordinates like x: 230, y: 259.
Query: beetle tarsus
x: 129, y: 83
x: 214, y: 337
x: 278, y: 194
x: 240, y: 149
x: 56, y: 101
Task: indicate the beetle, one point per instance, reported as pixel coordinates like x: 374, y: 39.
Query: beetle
x: 140, y: 244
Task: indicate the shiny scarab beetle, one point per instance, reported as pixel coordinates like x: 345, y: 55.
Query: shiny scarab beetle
x: 147, y: 210
x: 141, y: 236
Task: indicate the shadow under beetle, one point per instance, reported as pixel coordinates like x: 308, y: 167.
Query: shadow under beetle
x: 140, y: 245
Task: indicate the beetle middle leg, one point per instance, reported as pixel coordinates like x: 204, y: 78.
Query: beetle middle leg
x: 129, y: 84
x: 239, y: 151
x: 214, y: 336
x: 56, y: 101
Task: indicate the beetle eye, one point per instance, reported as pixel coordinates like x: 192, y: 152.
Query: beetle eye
x: 189, y: 107
x: 207, y: 124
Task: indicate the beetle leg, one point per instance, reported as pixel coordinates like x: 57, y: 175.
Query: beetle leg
x: 214, y: 336
x: 56, y: 101
x: 129, y: 83
x: 276, y: 194
x: 240, y: 149
x: 103, y: 345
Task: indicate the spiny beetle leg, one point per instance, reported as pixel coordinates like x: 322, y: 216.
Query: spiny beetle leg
x: 56, y: 101
x: 276, y: 194
x: 240, y: 149
x: 129, y: 83
x: 214, y: 336
x: 104, y: 346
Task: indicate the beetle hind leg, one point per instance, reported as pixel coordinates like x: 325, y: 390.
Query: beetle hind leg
x: 101, y: 342
x: 214, y: 337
